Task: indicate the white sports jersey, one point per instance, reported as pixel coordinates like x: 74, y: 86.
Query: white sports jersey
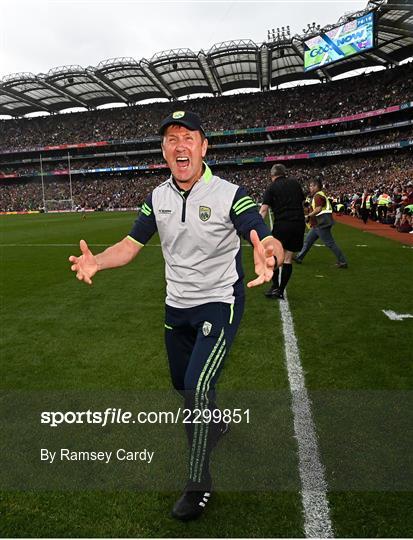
x: 199, y: 233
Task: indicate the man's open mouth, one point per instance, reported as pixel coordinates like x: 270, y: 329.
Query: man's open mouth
x: 182, y: 162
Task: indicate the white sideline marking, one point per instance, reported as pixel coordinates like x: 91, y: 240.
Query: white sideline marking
x: 317, y: 522
x: 393, y: 316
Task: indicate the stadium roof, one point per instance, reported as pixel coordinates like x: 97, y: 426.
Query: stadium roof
x: 226, y: 66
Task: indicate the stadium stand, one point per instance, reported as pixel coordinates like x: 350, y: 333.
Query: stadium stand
x: 356, y: 133
x: 304, y: 104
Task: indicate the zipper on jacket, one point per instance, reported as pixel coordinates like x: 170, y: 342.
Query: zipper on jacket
x: 184, y: 195
x: 183, y: 216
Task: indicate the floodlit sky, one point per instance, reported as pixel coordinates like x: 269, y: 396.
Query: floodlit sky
x: 38, y: 35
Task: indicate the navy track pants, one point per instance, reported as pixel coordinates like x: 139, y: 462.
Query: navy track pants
x: 197, y: 341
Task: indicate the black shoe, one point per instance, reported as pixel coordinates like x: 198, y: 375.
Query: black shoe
x: 274, y: 293
x: 296, y: 260
x: 271, y: 291
x: 190, y: 505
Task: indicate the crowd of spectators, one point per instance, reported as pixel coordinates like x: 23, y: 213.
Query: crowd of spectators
x: 345, y: 181
x: 275, y: 107
x: 230, y: 153
x: 389, y: 206
x: 103, y: 193
x: 345, y: 178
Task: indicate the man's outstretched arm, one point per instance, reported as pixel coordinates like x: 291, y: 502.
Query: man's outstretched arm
x: 268, y: 252
x: 114, y: 256
x: 268, y: 255
x: 119, y: 254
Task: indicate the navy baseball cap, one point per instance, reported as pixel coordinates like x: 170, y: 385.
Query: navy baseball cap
x: 187, y: 119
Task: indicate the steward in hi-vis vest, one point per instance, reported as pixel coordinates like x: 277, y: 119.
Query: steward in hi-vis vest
x: 365, y: 206
x: 383, y: 203
x: 321, y: 223
x: 326, y: 205
x: 366, y: 201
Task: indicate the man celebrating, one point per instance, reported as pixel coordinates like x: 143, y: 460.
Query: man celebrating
x: 199, y: 218
x: 285, y: 198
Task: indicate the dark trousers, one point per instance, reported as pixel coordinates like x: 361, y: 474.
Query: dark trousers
x: 197, y: 341
x: 326, y: 237
x: 381, y: 212
x: 364, y: 214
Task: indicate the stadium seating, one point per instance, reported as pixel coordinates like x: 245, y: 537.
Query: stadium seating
x: 347, y: 162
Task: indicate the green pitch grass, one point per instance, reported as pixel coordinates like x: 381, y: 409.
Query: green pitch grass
x: 59, y: 334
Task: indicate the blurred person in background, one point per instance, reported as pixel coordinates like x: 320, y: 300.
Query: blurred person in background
x: 321, y: 222
x: 285, y: 198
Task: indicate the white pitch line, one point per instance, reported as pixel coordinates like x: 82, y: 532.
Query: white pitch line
x: 393, y: 316
x: 317, y: 522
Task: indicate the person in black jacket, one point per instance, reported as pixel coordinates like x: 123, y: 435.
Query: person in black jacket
x: 285, y: 197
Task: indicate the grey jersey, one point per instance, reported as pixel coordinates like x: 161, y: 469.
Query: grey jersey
x: 199, y: 235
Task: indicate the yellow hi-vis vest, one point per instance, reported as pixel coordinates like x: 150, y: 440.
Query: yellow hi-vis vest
x: 367, y: 200
x: 327, y: 209
x: 384, y: 199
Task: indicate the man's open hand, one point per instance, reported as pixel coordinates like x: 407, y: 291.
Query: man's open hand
x: 86, y: 265
x: 264, y: 261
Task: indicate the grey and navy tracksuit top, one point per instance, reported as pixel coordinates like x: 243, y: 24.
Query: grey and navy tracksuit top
x: 200, y: 238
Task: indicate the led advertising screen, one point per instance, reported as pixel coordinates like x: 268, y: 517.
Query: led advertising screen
x: 341, y: 42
